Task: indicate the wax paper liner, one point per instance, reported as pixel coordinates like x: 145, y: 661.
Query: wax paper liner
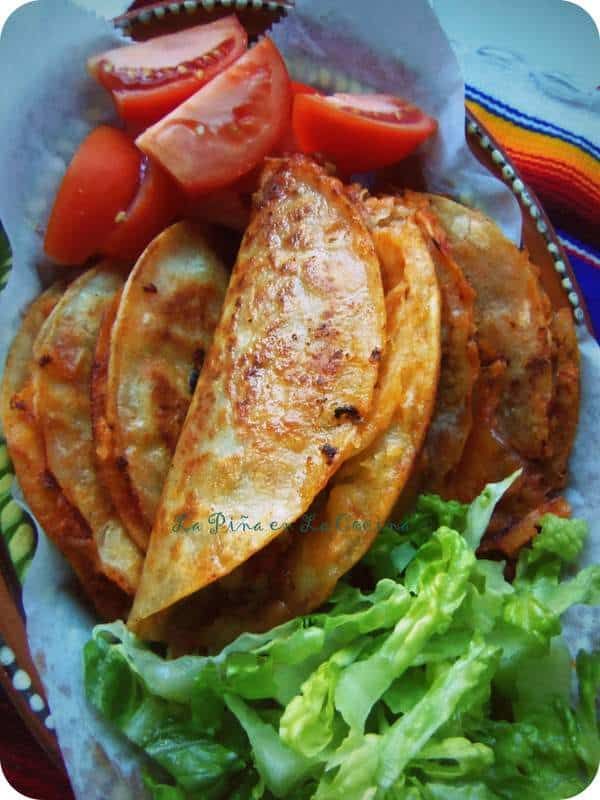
x: 47, y: 107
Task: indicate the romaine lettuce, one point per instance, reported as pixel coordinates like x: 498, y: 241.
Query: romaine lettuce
x: 442, y: 681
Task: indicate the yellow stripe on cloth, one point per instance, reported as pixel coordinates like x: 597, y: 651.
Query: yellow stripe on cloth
x: 547, y: 157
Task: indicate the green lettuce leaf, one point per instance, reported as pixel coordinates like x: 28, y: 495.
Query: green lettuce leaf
x: 308, y: 721
x: 426, y: 676
x: 586, y: 725
x: 450, y: 691
x: 454, y: 757
x: 439, y: 573
x: 481, y: 509
x: 458, y: 791
x: 280, y: 767
x: 163, y: 791
x: 397, y: 544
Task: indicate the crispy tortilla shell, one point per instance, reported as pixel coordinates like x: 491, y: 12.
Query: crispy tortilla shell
x: 564, y: 408
x: 362, y: 493
x: 453, y: 414
x: 512, y: 314
x: 61, y: 522
x: 149, y: 361
x: 290, y: 373
x: 526, y: 399
x: 298, y: 571
x: 63, y: 353
x: 18, y: 361
x: 452, y: 418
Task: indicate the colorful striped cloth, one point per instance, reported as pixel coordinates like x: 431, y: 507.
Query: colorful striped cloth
x: 563, y: 169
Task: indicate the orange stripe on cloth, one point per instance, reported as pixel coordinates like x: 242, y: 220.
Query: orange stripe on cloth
x: 556, y: 170
x: 559, y: 184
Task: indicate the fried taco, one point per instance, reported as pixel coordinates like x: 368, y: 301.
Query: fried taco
x: 290, y: 374
x: 366, y: 349
x: 526, y: 398
x: 60, y: 520
x: 62, y: 370
x: 148, y: 357
x: 299, y: 570
x: 452, y: 417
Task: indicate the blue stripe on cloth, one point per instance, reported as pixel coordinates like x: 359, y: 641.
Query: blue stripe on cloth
x: 589, y: 282
x: 588, y: 278
x: 588, y: 275
x: 529, y: 122
x: 572, y: 243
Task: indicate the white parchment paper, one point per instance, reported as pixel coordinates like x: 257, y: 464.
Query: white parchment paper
x: 47, y: 107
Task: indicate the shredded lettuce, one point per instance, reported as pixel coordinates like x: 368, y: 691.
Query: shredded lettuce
x: 438, y: 576
x: 437, y: 680
x: 481, y: 509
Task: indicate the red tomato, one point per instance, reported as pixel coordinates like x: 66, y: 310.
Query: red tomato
x: 226, y: 207
x: 149, y: 79
x: 359, y: 132
x: 226, y: 128
x: 248, y: 183
x: 288, y: 143
x: 231, y: 206
x: 101, y: 180
x: 154, y: 207
x: 303, y: 88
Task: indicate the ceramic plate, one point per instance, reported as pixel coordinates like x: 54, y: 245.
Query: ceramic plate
x: 17, y: 543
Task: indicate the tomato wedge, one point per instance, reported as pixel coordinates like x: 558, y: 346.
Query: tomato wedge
x: 149, y: 79
x: 359, y: 132
x: 156, y: 204
x: 226, y: 207
x: 227, y: 127
x: 101, y: 180
x: 303, y: 88
x: 288, y: 143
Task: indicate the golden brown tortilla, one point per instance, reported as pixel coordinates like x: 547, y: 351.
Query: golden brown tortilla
x: 290, y: 374
x: 564, y: 408
x: 298, y: 571
x: 63, y: 354
x: 60, y: 521
x: 526, y: 399
x: 18, y: 361
x: 362, y: 493
x: 147, y: 363
x: 452, y: 416
x: 512, y: 315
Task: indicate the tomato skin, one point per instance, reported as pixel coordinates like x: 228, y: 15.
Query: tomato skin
x: 303, y: 88
x: 149, y: 79
x: 91, y: 195
x: 228, y: 207
x: 223, y: 131
x: 231, y: 206
x: 140, y: 108
x: 288, y: 143
x: 248, y: 183
x: 156, y: 205
x: 359, y: 133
